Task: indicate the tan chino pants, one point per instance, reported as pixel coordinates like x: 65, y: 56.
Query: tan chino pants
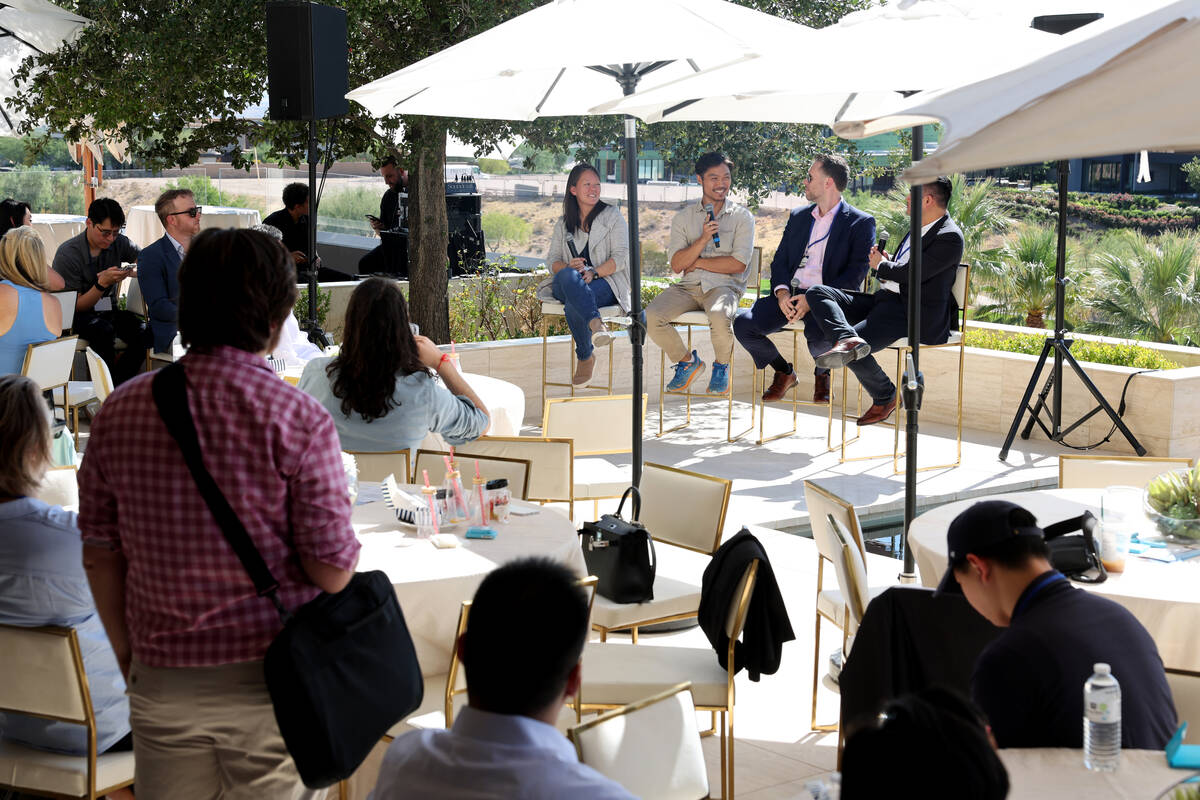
x: 720, y: 304
x: 208, y: 733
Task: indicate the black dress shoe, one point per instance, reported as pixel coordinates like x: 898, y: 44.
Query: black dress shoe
x: 844, y: 352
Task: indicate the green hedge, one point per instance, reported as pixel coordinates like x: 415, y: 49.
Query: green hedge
x: 1121, y: 354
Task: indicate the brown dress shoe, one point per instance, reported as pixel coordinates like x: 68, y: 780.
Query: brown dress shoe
x: 877, y: 413
x: 583, y: 370
x: 821, y: 388
x: 844, y: 352
x: 779, y: 387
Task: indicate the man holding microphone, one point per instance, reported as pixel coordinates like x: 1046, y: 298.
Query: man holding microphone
x: 711, y: 245
x: 825, y: 243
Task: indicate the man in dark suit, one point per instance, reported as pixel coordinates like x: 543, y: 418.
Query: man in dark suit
x: 158, y: 264
x: 825, y: 243
x: 864, y: 323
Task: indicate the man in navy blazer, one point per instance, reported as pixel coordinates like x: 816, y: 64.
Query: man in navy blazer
x: 825, y: 243
x: 862, y: 323
x: 158, y: 263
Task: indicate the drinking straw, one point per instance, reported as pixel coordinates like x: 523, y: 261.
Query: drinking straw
x: 483, y: 515
x: 456, y: 485
x: 429, y: 495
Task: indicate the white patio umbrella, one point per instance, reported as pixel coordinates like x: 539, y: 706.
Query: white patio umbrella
x: 29, y: 27
x: 857, y: 68
x: 1115, y: 86
x: 565, y: 57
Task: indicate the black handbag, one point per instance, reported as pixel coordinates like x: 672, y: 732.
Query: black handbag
x: 1072, y: 544
x: 620, y: 553
x: 343, y: 669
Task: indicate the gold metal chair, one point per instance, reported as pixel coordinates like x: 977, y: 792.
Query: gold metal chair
x: 758, y: 383
x: 617, y: 674
x: 49, y: 365
x: 598, y: 426
x: 830, y: 604
x: 612, y: 315
x: 44, y: 677
x: 698, y: 319
x: 514, y: 470
x: 650, y: 747
x: 684, y: 511
x: 377, y: 466
x: 957, y: 338
x: 551, y: 463
x: 1100, y: 471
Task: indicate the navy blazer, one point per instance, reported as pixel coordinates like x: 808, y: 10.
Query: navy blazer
x: 845, y: 263
x: 941, y: 253
x: 158, y: 277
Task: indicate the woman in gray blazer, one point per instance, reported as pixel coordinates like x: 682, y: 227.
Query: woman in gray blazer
x: 589, y: 265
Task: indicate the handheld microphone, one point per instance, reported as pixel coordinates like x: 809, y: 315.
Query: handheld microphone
x: 883, y: 240
x: 716, y: 236
x: 574, y: 252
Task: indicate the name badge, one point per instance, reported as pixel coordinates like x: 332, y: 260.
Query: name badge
x: 103, y: 304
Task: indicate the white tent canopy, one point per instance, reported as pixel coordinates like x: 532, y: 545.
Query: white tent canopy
x: 1116, y: 86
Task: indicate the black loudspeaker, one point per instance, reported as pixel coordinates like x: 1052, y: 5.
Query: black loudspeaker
x: 307, y: 75
x: 466, y: 246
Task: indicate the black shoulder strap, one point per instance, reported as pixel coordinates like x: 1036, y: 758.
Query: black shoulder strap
x: 169, y: 389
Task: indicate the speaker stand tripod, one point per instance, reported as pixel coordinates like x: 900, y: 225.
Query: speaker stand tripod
x: 1061, y: 348
x: 315, y: 334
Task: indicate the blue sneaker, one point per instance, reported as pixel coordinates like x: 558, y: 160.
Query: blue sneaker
x: 685, y: 373
x: 718, y: 382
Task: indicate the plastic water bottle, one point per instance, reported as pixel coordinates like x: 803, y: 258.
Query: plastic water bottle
x: 1102, y: 720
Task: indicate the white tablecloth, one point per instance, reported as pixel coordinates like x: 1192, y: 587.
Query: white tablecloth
x: 56, y: 229
x: 1163, y: 597
x: 431, y: 584
x: 143, y: 228
x: 1057, y: 773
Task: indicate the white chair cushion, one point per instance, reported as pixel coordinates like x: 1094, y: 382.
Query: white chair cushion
x: 671, y: 597
x: 78, y: 391
x: 595, y: 477
x: 616, y: 674
x: 552, y: 309
x: 691, y: 318
x: 832, y: 603
x: 28, y: 769
x: 955, y: 338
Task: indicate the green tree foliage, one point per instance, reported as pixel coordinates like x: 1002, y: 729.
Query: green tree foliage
x: 1018, y: 288
x: 1147, y: 288
x: 1191, y: 172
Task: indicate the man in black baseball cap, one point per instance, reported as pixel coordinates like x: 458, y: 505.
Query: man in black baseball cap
x: 1029, y: 680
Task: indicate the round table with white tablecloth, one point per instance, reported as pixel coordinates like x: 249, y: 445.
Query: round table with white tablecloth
x: 1163, y: 596
x: 56, y: 229
x: 143, y: 228
x: 432, y: 583
x: 1053, y: 773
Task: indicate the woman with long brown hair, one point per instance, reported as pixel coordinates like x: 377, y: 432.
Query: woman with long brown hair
x: 42, y: 581
x: 589, y: 265
x: 382, y: 388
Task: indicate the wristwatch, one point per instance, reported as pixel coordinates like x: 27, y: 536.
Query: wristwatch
x: 102, y: 289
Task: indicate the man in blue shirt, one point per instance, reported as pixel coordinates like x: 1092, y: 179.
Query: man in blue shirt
x: 521, y: 652
x: 1029, y: 680
x: 825, y: 243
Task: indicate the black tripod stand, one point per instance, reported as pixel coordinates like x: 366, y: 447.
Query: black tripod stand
x: 1061, y: 347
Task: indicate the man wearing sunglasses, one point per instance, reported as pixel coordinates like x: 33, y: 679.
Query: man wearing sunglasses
x: 158, y: 264
x: 91, y: 265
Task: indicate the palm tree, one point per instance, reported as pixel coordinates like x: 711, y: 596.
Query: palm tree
x: 1019, y: 285
x: 1147, y: 288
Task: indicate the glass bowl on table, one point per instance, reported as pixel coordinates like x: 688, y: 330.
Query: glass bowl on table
x: 1172, y: 502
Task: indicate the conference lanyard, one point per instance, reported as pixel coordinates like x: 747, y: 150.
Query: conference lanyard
x: 1053, y: 577
x: 905, y: 246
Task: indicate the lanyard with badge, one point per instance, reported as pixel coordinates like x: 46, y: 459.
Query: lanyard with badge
x: 811, y: 245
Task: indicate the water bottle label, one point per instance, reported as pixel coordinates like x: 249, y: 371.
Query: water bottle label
x: 1103, y: 706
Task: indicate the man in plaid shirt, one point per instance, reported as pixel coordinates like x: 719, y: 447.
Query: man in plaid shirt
x: 182, y: 614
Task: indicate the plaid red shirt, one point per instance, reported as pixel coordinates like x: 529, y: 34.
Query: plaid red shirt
x: 273, y: 451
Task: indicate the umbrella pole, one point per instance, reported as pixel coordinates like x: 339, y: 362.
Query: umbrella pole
x: 912, y: 380
x: 628, y: 78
